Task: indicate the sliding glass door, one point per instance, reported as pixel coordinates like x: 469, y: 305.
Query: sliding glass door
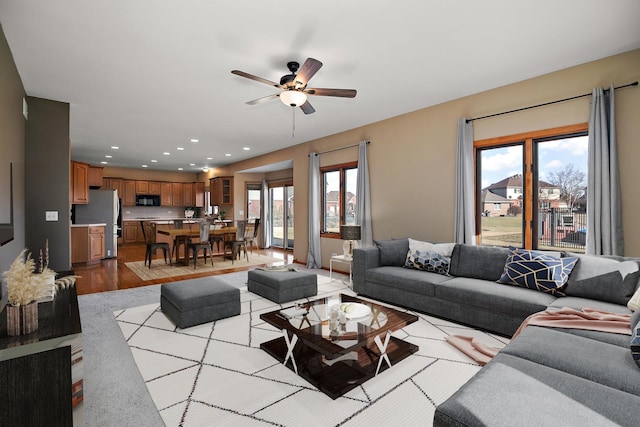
x: 281, y: 208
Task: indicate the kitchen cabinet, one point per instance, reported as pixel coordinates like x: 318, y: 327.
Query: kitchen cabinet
x: 87, y: 243
x: 79, y: 183
x: 142, y: 187
x: 128, y: 193
x: 187, y: 194
x: 95, y: 176
x: 221, y: 191
x: 132, y: 232
x: 166, y: 191
x: 154, y: 187
x: 116, y: 184
x: 198, y: 194
x: 177, y: 194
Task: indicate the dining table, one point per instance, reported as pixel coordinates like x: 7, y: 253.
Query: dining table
x: 181, y: 236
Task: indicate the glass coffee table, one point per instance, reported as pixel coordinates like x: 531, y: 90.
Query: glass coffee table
x: 338, y: 342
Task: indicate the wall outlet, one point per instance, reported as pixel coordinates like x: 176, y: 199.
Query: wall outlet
x: 51, y: 215
x: 127, y: 212
x: 169, y: 211
x: 240, y: 213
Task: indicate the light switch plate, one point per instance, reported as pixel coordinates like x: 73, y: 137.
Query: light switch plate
x: 51, y: 215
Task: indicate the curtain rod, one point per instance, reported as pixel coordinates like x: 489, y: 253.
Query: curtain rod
x: 546, y: 103
x: 338, y: 149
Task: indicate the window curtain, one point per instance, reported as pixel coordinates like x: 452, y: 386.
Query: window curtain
x: 363, y: 205
x: 604, y: 213
x: 464, y: 220
x: 314, y: 259
x: 265, y: 215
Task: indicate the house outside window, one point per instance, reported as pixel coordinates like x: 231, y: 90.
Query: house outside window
x: 339, y: 198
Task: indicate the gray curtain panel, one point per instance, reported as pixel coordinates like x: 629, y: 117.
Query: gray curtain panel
x: 604, y: 213
x: 314, y: 259
x: 363, y: 207
x: 464, y: 221
x: 265, y: 215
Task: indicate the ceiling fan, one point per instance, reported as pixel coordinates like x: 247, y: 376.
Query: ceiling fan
x: 294, y: 86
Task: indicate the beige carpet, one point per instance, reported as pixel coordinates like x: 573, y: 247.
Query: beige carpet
x: 160, y: 270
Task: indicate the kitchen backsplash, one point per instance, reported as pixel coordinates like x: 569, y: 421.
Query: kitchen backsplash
x: 155, y: 212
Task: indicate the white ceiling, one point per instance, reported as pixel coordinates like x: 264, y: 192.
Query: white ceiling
x: 149, y: 75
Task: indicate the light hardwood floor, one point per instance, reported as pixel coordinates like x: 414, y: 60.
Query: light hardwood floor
x: 112, y: 274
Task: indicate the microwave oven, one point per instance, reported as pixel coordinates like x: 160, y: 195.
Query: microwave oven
x: 147, y: 200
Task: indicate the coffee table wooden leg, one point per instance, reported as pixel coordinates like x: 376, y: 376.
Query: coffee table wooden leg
x: 291, y: 343
x: 383, y: 350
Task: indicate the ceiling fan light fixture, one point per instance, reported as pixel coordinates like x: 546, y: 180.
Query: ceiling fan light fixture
x: 293, y: 98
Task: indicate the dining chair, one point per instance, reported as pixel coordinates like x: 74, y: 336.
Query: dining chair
x: 217, y: 239
x: 178, y: 241
x: 253, y: 235
x: 149, y: 233
x: 204, y: 244
x: 239, y: 242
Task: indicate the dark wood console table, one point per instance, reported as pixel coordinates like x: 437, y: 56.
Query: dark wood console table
x: 41, y: 373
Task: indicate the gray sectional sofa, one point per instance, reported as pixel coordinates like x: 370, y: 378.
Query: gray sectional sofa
x: 544, y: 376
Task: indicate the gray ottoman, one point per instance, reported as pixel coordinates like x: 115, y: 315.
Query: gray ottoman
x: 192, y: 302
x: 282, y: 286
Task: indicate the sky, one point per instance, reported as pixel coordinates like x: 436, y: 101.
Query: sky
x: 553, y: 156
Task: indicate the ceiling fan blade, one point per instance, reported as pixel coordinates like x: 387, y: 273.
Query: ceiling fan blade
x: 263, y: 99
x: 343, y: 93
x: 256, y: 78
x: 308, y: 70
x: 307, y: 108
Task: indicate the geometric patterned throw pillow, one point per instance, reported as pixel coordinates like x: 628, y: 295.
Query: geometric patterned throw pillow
x: 426, y: 256
x: 635, y: 345
x: 537, y: 271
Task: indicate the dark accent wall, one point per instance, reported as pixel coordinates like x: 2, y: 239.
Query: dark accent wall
x: 47, y: 157
x: 12, y: 149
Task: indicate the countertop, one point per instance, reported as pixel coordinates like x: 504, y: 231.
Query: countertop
x: 89, y: 225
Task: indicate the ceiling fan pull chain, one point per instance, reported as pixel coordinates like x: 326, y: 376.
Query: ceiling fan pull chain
x: 293, y: 131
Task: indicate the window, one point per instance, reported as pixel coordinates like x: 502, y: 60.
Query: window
x: 339, y: 199
x: 254, y: 200
x: 531, y: 189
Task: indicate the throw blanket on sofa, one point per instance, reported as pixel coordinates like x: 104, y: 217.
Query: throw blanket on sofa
x: 589, y: 319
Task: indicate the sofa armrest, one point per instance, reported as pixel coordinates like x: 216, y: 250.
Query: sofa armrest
x: 363, y: 259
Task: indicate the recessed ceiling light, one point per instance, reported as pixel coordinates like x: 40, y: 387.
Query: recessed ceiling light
x: 108, y: 156
x: 113, y: 147
x: 154, y: 161
x: 195, y: 141
x: 145, y: 166
x: 166, y: 153
x: 227, y: 155
x: 246, y: 148
x: 205, y: 169
x: 180, y: 148
x: 209, y: 158
x: 180, y: 169
x: 192, y: 164
x: 104, y: 163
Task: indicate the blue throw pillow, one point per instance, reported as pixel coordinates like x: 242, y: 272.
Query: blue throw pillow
x: 426, y: 256
x: 537, y: 271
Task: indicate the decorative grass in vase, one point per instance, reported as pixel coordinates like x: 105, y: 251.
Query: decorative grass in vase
x: 24, y: 287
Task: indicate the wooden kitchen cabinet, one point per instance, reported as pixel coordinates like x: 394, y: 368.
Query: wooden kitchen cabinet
x: 177, y: 194
x: 221, y: 191
x: 142, y: 187
x: 198, y: 194
x: 79, y: 183
x: 87, y: 244
x: 166, y: 191
x: 132, y: 232
x: 154, y: 188
x: 187, y: 194
x: 95, y: 176
x: 128, y: 193
x: 116, y: 184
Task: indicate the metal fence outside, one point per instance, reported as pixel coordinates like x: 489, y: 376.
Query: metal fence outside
x: 562, y: 228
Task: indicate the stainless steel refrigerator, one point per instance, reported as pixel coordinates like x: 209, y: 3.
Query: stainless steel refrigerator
x: 103, y: 207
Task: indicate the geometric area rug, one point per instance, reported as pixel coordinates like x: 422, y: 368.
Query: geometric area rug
x: 216, y: 373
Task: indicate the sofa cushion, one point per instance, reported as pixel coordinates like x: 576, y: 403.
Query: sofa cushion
x: 478, y: 262
x: 605, y: 337
x: 613, y: 366
x: 537, y: 271
x: 580, y: 303
x: 603, y: 278
x: 493, y: 296
x: 512, y: 391
x: 433, y: 257
x: 415, y: 281
x: 393, y: 252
